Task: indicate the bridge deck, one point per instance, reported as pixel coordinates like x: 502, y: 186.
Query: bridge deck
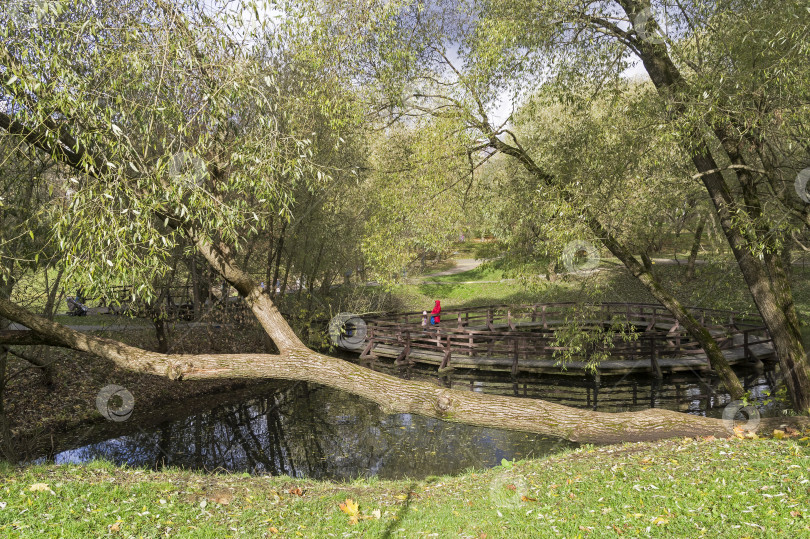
x: 522, y: 339
x: 610, y: 366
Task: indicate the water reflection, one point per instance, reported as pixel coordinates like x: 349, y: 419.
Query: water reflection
x: 305, y: 430
x: 690, y: 392
x: 312, y: 431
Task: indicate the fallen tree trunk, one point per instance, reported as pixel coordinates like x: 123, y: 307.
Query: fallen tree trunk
x: 394, y: 395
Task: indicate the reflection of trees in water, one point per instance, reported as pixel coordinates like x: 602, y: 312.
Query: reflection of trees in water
x: 312, y: 431
x: 317, y: 432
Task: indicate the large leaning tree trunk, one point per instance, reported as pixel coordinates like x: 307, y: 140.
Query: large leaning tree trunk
x: 766, y: 278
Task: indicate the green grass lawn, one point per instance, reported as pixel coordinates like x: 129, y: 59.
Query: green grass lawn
x: 675, y: 488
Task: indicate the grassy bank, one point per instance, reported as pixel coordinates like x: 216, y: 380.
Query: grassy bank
x: 681, y: 488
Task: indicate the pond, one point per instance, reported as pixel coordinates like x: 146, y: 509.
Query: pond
x: 305, y: 430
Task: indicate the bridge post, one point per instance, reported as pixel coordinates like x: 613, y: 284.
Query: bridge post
x: 489, y: 320
x: 516, y: 352
x: 656, y: 368
x: 745, y: 346
x: 447, y: 355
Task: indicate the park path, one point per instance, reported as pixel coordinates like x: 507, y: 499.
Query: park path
x: 462, y: 265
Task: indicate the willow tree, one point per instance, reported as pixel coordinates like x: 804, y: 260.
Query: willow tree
x: 170, y: 122
x: 731, y: 81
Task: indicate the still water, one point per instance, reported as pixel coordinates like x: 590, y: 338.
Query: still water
x: 304, y: 430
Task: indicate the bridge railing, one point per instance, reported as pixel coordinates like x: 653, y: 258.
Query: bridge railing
x: 526, y: 332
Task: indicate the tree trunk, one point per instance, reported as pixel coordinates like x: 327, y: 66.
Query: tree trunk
x: 690, y: 266
x: 648, y: 265
x: 279, y: 249
x: 7, y: 450
x: 53, y: 294
x: 771, y: 293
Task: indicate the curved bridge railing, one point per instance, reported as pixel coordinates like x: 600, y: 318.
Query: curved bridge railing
x: 522, y: 338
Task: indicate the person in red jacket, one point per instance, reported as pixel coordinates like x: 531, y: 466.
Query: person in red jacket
x: 434, y: 314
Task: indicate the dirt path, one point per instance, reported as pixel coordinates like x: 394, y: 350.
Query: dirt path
x: 462, y: 265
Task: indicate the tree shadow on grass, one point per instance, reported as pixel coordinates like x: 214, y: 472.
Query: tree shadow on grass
x: 402, y: 513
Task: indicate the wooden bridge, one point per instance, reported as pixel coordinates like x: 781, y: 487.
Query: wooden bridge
x: 526, y: 338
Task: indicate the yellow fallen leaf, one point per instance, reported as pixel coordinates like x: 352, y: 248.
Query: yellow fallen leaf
x: 272, y: 529
x: 660, y: 521
x: 40, y: 487
x: 350, y: 508
x: 401, y: 497
x: 353, y: 520
x: 778, y: 434
x: 115, y: 528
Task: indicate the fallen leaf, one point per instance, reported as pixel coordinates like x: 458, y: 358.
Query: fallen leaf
x: 350, y: 508
x: 353, y: 520
x: 376, y: 514
x: 115, y: 528
x: 795, y: 514
x: 527, y: 499
x: 296, y: 491
x: 40, y: 487
x: 222, y: 499
x: 778, y: 434
x: 272, y: 529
